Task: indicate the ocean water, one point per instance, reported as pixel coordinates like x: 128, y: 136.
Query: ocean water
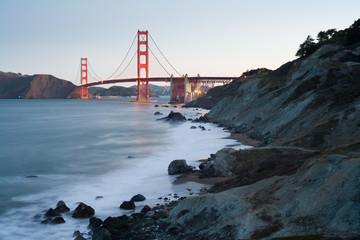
x: 79, y: 150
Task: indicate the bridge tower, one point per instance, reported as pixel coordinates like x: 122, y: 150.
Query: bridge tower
x: 143, y: 65
x: 84, y: 78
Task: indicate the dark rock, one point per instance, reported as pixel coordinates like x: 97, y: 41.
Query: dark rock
x: 131, y: 156
x: 202, y: 128
x: 31, y: 176
x: 116, y: 223
x: 202, y: 119
x: 127, y: 205
x: 61, y: 207
x: 46, y: 221
x: 193, y: 127
x: 79, y: 237
x: 179, y: 166
x: 51, y: 213
x: 57, y: 220
x: 158, y: 113
x: 101, y: 234
x: 160, y: 214
x: 174, y: 117
x: 99, y: 197
x: 175, y: 229
x: 83, y: 211
x: 77, y: 233
x: 94, y: 222
x: 145, y: 209
x: 165, y: 106
x: 138, y: 198
x: 156, y: 105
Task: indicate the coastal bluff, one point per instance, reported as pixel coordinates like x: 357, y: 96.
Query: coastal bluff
x: 39, y: 86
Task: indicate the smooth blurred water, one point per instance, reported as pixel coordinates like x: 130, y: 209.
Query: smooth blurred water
x: 80, y: 149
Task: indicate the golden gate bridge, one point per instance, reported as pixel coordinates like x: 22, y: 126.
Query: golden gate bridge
x: 183, y: 88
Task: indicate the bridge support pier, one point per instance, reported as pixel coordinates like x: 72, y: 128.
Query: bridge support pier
x: 84, y: 78
x: 143, y: 64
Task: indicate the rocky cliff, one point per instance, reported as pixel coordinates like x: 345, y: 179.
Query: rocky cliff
x: 36, y: 86
x: 311, y: 102
x: 305, y: 183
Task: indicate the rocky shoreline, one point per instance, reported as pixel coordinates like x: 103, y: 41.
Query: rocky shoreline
x: 257, y: 193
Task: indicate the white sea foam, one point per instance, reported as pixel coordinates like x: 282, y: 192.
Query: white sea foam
x: 145, y: 174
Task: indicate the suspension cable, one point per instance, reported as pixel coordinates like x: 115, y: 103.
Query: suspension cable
x: 164, y: 56
x: 158, y: 61
x: 124, y: 58
x: 97, y: 77
x: 77, y: 75
x: 127, y: 65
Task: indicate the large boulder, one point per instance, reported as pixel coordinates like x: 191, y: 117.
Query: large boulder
x: 174, y: 117
x: 127, y: 205
x: 138, y: 198
x: 217, y: 164
x: 51, y: 213
x: 179, y: 166
x: 61, y: 207
x: 83, y: 211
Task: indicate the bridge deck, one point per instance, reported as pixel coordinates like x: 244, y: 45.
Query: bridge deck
x: 160, y: 79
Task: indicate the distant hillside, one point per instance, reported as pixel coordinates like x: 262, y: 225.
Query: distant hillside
x: 118, y: 91
x: 113, y: 91
x: 159, y: 90
x: 36, y: 86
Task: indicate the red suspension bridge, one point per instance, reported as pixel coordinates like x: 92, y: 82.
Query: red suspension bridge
x: 182, y: 88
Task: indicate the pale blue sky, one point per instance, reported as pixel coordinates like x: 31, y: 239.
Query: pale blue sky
x: 198, y: 36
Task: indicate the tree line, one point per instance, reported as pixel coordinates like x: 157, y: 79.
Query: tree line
x: 344, y: 37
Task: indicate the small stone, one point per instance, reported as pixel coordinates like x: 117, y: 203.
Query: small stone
x: 83, y: 211
x: 102, y: 234
x: 158, y: 113
x: 138, y: 198
x: 31, y: 176
x: 57, y: 220
x: 80, y: 238
x: 156, y: 105
x: 99, y: 197
x: 127, y: 205
x: 94, y: 222
x: 61, y: 207
x: 149, y: 214
x: 145, y: 209
x: 76, y: 233
x: 193, y: 127
x: 51, y: 213
x: 160, y: 214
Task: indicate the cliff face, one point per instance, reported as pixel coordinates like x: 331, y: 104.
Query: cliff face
x: 312, y: 102
x: 37, y: 86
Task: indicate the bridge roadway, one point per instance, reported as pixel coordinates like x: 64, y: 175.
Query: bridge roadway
x: 160, y: 79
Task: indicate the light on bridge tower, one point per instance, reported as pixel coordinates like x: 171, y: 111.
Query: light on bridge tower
x: 143, y: 64
x: 84, y: 78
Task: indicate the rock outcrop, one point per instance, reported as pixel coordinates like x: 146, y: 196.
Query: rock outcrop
x: 37, y: 86
x: 320, y: 198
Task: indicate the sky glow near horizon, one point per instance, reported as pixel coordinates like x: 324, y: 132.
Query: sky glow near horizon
x: 212, y: 38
